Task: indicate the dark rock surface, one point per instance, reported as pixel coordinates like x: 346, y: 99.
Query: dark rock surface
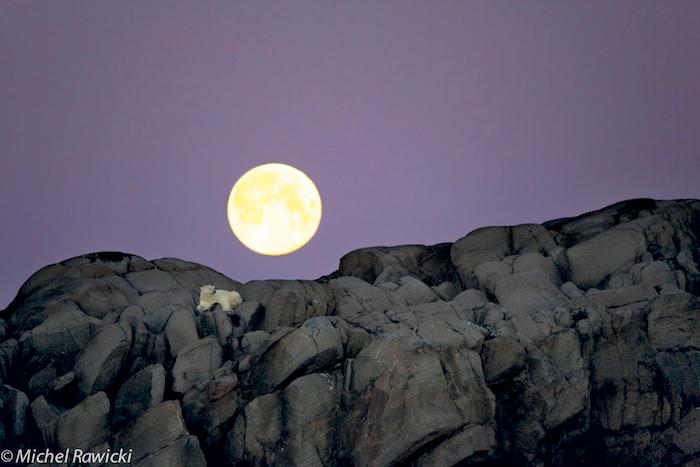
x: 574, y: 342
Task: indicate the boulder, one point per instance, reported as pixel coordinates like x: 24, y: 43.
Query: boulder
x: 502, y: 358
x: 674, y: 321
x: 102, y: 358
x: 85, y: 425
x: 314, y: 345
x: 14, y: 408
x: 415, y: 292
x: 161, y: 429
x: 527, y: 292
x: 65, y: 332
x: 312, y: 403
x: 610, y: 251
x: 295, y: 302
x: 256, y: 433
x: 429, y: 264
x: 479, y: 246
x: 143, y: 390
x: 180, y: 330
x: 488, y: 274
x: 196, y: 362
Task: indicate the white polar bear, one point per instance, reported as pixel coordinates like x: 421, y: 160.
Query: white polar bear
x: 209, y: 296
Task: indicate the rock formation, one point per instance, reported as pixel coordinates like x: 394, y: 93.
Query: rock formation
x: 574, y: 342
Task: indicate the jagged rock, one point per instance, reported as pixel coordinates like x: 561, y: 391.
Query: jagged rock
x: 103, y: 357
x: 143, y: 390
x: 85, y: 425
x: 196, y: 362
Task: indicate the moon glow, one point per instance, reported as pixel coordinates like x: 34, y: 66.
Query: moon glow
x: 274, y: 209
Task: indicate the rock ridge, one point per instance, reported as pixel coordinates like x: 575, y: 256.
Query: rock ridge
x: 572, y: 342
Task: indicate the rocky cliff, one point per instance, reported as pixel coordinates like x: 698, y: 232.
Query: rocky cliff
x: 575, y: 342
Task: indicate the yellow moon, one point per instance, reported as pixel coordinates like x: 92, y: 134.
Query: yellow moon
x: 274, y: 209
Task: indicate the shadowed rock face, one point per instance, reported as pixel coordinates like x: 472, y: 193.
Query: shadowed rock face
x: 575, y: 342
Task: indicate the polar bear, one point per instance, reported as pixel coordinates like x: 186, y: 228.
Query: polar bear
x: 209, y: 296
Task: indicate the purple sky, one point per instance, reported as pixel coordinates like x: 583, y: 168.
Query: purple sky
x: 124, y: 124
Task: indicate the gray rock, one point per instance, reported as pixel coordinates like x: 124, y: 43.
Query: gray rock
x: 604, y: 369
x: 143, y: 390
x: 502, y: 358
x: 252, y: 313
x: 488, y: 274
x: 537, y: 262
x: 446, y: 290
x: 470, y: 299
x: 85, y: 425
x: 161, y: 429
x: 687, y: 436
x: 452, y: 382
x: 532, y: 238
x: 46, y: 418
x: 570, y: 290
x: 104, y: 355
x: 622, y: 296
x: 355, y: 297
x: 479, y: 246
x: 313, y: 405
x: 317, y: 343
x: 257, y: 432
x: 473, y: 441
x: 295, y: 302
x: 180, y: 330
x: 65, y: 332
x: 593, y: 260
x: 674, y: 321
x: 151, y: 280
x: 14, y: 408
x: 9, y: 351
x: 429, y: 264
x: 415, y: 292
x: 527, y: 292
x: 196, y: 362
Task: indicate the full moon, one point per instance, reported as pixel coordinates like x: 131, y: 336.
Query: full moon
x: 274, y: 209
